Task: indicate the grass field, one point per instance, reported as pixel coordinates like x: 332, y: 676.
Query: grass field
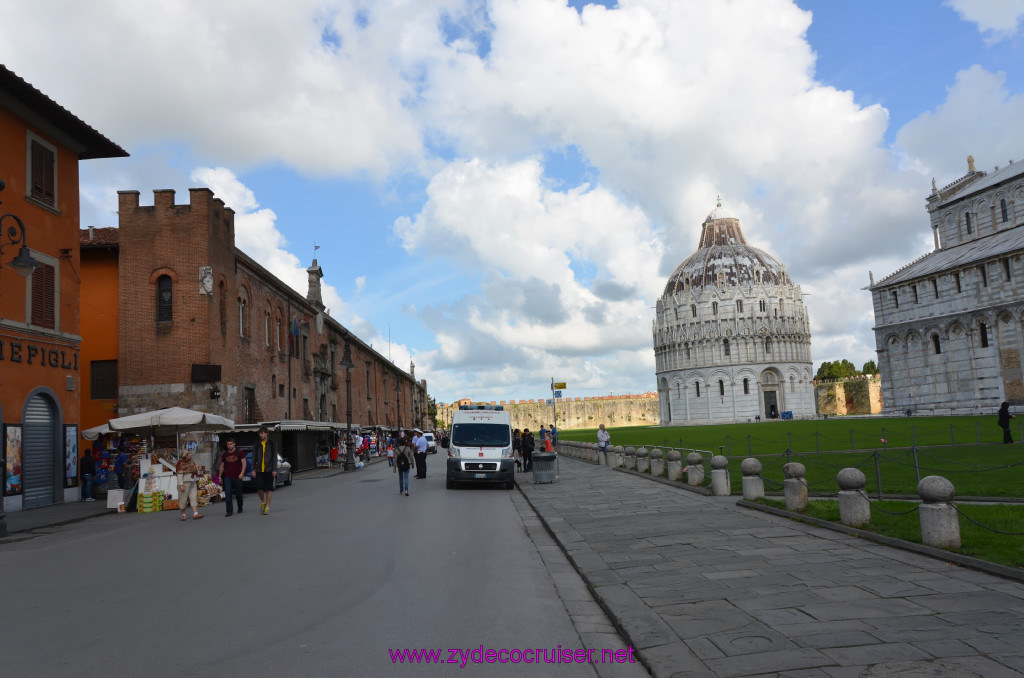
x: 977, y: 464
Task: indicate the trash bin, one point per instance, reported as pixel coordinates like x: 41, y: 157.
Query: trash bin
x: 545, y: 467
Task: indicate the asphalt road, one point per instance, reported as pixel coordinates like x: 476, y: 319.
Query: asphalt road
x: 342, y: 571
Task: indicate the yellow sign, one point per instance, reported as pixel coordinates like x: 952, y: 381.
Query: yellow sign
x: 558, y: 385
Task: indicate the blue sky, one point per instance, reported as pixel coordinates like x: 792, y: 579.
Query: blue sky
x: 500, y: 189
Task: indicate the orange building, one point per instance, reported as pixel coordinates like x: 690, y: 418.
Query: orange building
x: 98, y: 355
x: 40, y: 363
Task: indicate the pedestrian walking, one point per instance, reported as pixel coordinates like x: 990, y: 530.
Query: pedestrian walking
x: 86, y: 472
x: 517, y: 449
x: 232, y: 472
x: 391, y: 453
x: 528, y: 445
x: 121, y: 470
x: 1004, y: 422
x: 553, y: 433
x: 404, y: 459
x: 419, y: 442
x: 187, y: 473
x: 264, y: 467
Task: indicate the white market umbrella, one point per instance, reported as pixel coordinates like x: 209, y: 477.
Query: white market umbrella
x: 95, y: 432
x: 179, y: 419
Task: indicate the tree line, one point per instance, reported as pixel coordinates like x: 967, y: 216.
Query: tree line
x: 842, y: 369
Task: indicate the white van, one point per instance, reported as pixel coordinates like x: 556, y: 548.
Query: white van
x: 480, y: 446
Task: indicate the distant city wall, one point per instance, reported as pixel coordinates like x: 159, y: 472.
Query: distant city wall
x: 573, y: 413
x: 854, y: 395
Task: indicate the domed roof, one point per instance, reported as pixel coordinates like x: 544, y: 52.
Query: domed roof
x: 724, y: 257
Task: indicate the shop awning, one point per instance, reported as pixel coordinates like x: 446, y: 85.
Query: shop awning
x: 295, y: 425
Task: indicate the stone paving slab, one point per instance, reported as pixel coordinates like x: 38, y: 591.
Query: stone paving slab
x: 705, y: 588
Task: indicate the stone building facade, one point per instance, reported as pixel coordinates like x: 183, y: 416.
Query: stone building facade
x: 948, y: 326
x: 202, y: 325
x: 732, y: 339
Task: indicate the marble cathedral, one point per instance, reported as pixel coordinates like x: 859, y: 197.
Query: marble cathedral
x: 948, y: 326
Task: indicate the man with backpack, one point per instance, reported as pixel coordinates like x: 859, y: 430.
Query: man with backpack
x: 403, y: 464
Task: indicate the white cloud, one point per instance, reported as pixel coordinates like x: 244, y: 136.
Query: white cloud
x: 979, y: 117
x: 668, y: 103
x: 1000, y: 19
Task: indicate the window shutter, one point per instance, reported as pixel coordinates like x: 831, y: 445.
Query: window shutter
x: 43, y: 296
x: 43, y: 168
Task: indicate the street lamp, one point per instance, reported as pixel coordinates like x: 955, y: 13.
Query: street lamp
x: 347, y: 365
x: 23, y: 264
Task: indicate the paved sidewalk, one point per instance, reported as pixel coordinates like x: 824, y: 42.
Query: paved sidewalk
x: 702, y: 587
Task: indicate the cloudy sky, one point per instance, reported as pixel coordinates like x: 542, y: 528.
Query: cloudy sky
x: 500, y: 188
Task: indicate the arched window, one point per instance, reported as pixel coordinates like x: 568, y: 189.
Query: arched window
x: 273, y: 386
x: 1002, y: 208
x: 936, y: 344
x: 970, y: 226
x: 714, y: 308
x: 725, y: 346
x: 243, y: 313
x: 266, y: 328
x: 739, y: 306
x: 763, y: 305
x: 693, y: 310
x: 696, y: 385
x: 721, y: 387
x: 781, y: 308
x: 746, y: 386
x: 687, y: 347
x: 768, y: 345
x: 277, y: 331
x: 983, y: 331
x: 164, y: 299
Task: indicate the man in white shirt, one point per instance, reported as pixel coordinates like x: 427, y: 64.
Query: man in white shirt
x: 419, y: 442
x: 603, y: 438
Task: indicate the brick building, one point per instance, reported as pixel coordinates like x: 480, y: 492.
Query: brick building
x: 948, y: 326
x: 41, y: 144
x: 202, y: 325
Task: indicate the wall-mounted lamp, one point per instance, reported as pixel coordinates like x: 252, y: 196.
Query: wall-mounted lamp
x: 24, y: 264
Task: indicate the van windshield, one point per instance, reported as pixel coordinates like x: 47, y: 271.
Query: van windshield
x: 481, y: 435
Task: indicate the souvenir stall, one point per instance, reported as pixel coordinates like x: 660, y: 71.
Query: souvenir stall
x: 153, y: 442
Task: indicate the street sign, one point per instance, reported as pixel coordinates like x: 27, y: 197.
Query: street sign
x: 558, y: 394
x: 558, y: 385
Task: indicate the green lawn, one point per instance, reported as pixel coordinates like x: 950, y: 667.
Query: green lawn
x: 978, y: 542
x: 985, y: 468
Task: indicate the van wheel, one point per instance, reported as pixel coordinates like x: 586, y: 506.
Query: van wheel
x: 510, y: 484
x: 449, y: 484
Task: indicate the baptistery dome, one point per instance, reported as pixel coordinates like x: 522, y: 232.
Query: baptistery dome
x: 724, y: 257
x: 731, y: 334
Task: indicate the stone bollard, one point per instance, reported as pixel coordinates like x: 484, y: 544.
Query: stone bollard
x: 674, y: 465
x: 854, y: 507
x: 615, y: 456
x: 694, y: 468
x: 629, y: 459
x: 657, y: 462
x: 753, y: 484
x: 795, y: 486
x: 720, y: 486
x: 643, y: 462
x: 940, y: 526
